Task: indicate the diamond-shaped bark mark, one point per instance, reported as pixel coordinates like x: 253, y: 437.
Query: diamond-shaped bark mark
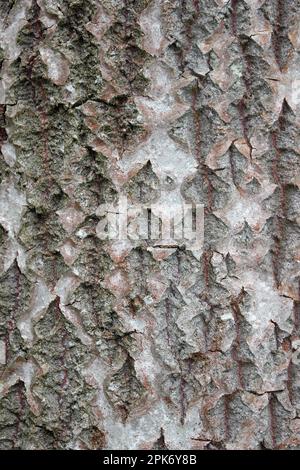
x: 58, y: 66
x: 168, y: 159
x: 243, y: 147
x: 58, y: 347
x: 244, y: 207
x: 124, y: 389
x: 99, y: 24
x: 70, y: 217
x: 26, y: 372
x: 218, y: 41
x: 69, y: 251
x: 144, y: 186
x: 162, y: 103
x: 259, y: 28
x: 219, y: 149
x: 160, y: 254
x: 117, y: 282
x: 222, y: 76
x: 221, y: 105
x: 118, y: 250
x: 157, y: 285
x: 284, y: 85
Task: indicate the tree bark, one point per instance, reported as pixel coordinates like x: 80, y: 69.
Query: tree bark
x: 130, y: 344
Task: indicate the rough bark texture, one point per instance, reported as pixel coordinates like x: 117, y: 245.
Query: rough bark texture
x: 126, y: 345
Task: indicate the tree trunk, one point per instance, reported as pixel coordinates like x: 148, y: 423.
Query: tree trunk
x: 139, y: 343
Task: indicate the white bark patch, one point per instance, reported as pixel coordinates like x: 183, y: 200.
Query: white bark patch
x: 12, y: 206
x: 9, y: 154
x: 10, y: 254
x: 69, y: 251
x: 140, y: 430
x: 154, y: 40
x: 8, y: 35
x: 12, y: 250
x: 58, y: 66
x: 167, y: 158
x: 2, y: 352
x: 267, y: 305
x: 9, y: 30
x: 243, y: 207
x: 65, y: 286
x: 285, y: 85
x: 40, y: 300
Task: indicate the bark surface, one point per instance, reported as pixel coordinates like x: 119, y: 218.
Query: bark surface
x: 130, y: 345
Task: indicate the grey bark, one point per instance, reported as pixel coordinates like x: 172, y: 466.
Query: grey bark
x: 127, y: 345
